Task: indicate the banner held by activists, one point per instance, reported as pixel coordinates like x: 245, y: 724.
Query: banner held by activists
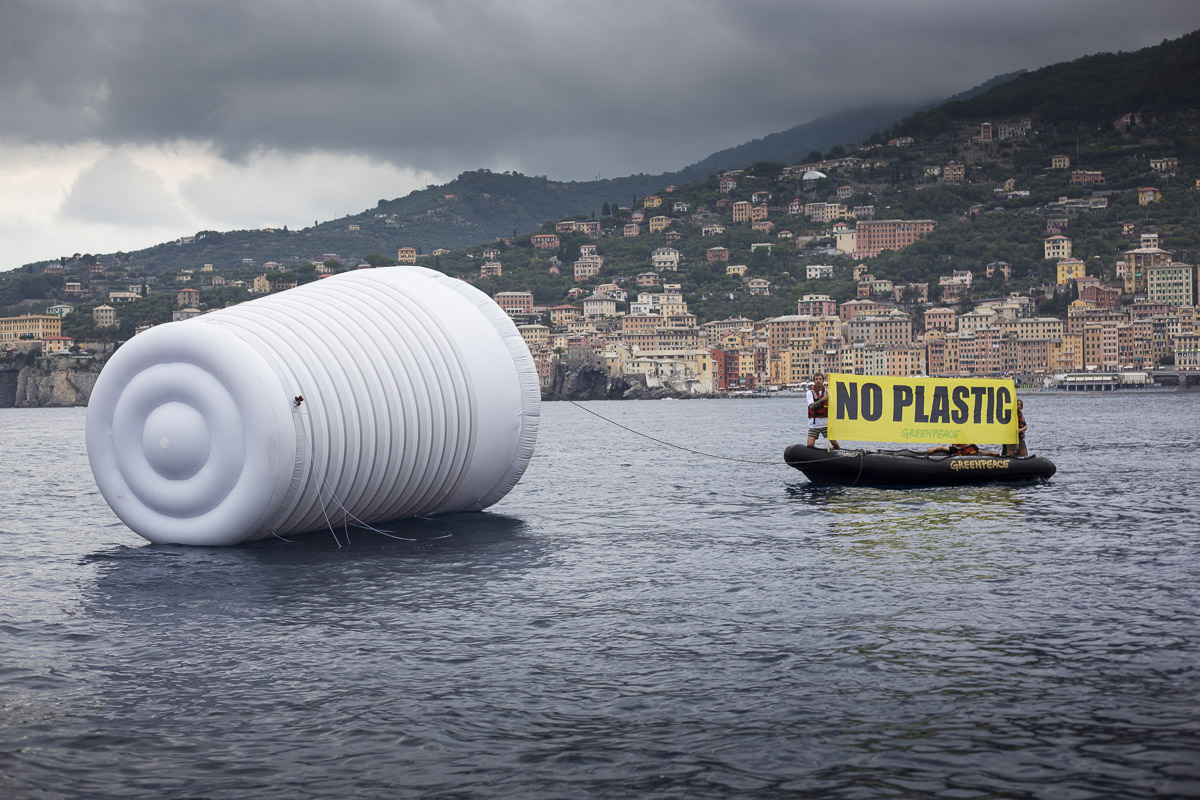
x: 875, y: 408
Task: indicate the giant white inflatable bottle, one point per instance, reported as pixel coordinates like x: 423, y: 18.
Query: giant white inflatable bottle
x: 363, y: 397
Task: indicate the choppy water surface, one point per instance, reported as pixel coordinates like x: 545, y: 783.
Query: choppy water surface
x: 632, y: 621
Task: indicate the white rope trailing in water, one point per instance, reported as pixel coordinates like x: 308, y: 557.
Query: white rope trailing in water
x: 346, y: 514
x: 666, y: 443
x: 419, y: 398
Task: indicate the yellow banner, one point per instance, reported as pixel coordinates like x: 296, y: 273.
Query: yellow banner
x: 934, y: 410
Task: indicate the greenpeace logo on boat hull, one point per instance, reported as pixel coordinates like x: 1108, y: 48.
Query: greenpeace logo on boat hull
x: 957, y: 465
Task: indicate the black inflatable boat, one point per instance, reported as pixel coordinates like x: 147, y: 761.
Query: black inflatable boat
x: 912, y: 468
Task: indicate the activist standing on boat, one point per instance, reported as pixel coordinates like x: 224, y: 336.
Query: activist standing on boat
x: 1018, y: 449
x: 818, y: 411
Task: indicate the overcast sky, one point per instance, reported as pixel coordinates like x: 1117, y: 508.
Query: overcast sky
x: 125, y: 123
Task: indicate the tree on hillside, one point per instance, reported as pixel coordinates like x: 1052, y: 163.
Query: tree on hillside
x: 29, y: 286
x: 766, y: 169
x: 222, y: 296
x: 305, y: 273
x: 376, y: 260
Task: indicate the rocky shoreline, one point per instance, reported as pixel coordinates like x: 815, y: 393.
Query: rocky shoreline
x: 51, y: 382
x: 579, y: 380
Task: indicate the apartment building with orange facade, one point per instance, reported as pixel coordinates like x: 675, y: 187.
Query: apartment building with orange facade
x: 872, y: 237
x: 852, y: 308
x: 940, y: 319
x: 888, y: 330
x: 1086, y: 177
x: 514, y: 303
x: 561, y: 315
x: 588, y: 267
x: 801, y: 330
x: 816, y: 305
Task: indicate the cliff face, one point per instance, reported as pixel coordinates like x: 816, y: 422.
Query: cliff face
x: 577, y: 380
x: 51, y: 382
x: 8, y: 384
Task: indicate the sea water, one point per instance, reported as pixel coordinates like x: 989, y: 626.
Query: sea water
x: 633, y: 620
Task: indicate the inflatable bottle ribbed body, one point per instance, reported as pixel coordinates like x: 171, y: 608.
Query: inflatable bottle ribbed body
x: 367, y: 396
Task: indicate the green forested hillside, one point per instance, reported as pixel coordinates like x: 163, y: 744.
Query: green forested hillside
x: 796, y: 144
x: 1082, y: 94
x: 475, y: 207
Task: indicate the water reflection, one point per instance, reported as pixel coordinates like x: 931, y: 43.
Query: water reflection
x: 446, y: 559
x: 886, y: 511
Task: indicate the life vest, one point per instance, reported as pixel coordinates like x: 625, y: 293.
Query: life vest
x: 963, y: 449
x: 819, y: 394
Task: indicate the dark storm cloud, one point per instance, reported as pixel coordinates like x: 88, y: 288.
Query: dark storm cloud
x: 564, y: 88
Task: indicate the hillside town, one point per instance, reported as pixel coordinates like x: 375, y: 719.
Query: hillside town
x: 1133, y: 311
x: 647, y: 332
